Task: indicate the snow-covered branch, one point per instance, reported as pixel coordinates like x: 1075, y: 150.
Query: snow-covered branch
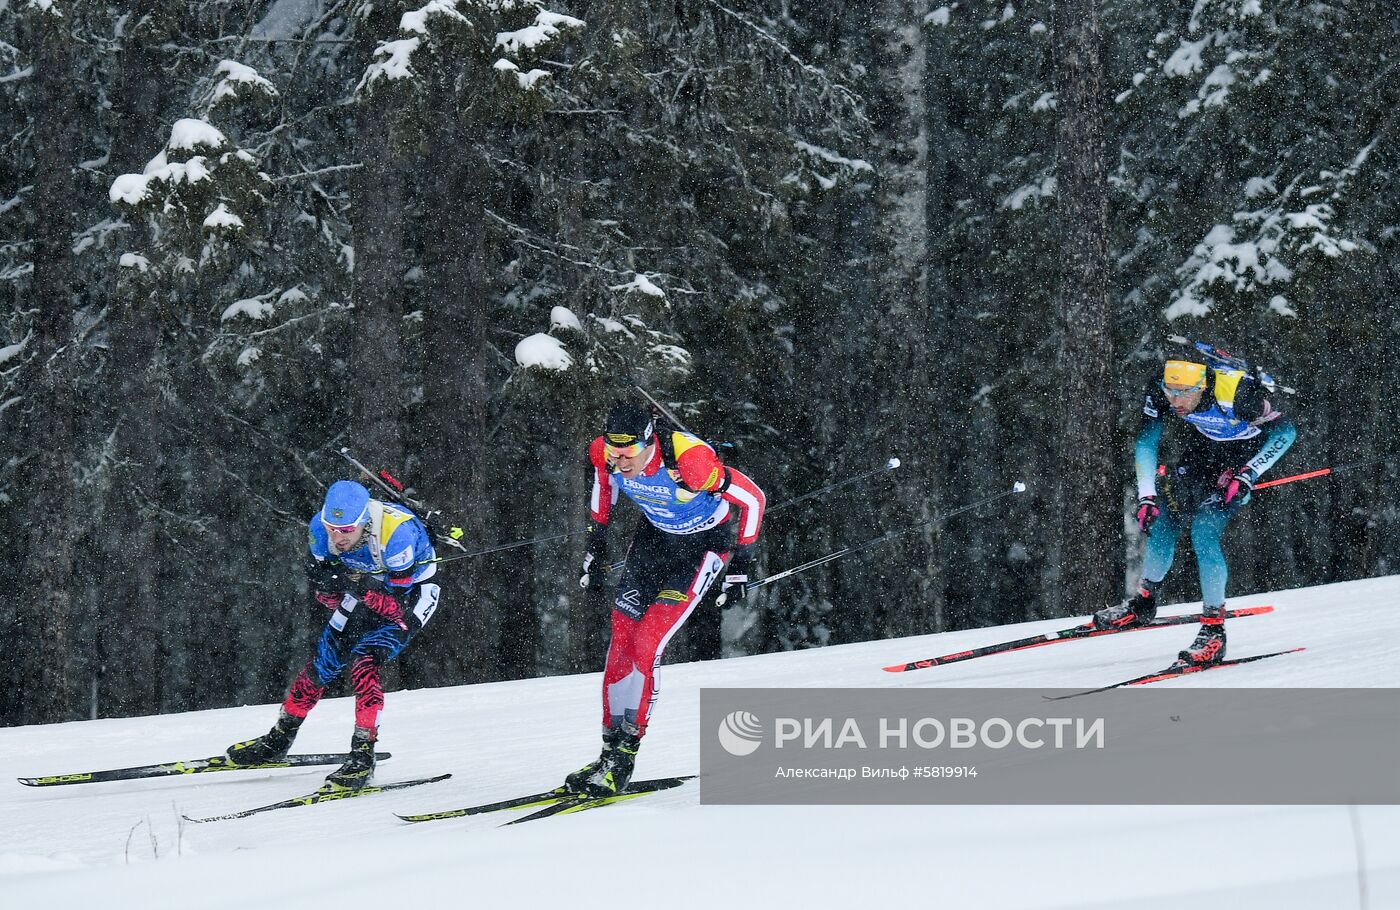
x: 575, y: 256
x: 854, y: 100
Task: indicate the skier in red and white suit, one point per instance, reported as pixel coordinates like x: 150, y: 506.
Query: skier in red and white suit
x: 693, y: 505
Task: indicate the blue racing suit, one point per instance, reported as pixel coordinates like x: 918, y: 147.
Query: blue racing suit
x: 1235, y: 426
x: 384, y: 602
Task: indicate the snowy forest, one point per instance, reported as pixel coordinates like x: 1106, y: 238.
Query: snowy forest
x: 239, y: 235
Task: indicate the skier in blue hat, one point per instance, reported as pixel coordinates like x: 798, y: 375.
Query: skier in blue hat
x: 370, y: 566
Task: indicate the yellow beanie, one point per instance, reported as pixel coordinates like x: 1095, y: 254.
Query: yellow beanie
x: 1184, y: 374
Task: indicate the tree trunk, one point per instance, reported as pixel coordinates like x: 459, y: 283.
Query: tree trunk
x: 129, y: 632
x: 48, y: 686
x: 455, y: 390
x: 942, y: 386
x: 908, y: 303
x: 141, y: 93
x: 1087, y: 545
x: 377, y: 213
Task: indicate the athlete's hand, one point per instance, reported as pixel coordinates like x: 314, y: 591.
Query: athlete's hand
x: 735, y: 586
x: 363, y: 583
x: 1235, y: 485
x: 1147, y: 513
x: 329, y: 577
x: 597, y: 549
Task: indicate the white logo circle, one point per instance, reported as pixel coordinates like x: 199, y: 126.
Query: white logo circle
x: 740, y: 733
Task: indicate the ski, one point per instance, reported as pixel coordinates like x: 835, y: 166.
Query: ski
x: 519, y: 802
x: 1176, y: 669
x: 1085, y: 630
x: 194, y: 766
x: 545, y: 798
x: 571, y: 804
x: 327, y: 793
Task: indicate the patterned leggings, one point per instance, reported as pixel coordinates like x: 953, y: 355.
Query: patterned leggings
x: 364, y: 653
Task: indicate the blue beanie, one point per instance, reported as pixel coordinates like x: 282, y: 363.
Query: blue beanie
x: 347, y: 503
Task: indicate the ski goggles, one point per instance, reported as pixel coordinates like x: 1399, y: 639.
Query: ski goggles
x: 1181, y: 393
x: 615, y: 452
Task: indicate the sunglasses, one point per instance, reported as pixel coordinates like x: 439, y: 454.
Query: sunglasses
x: 341, y: 529
x: 615, y: 452
x: 1182, y: 393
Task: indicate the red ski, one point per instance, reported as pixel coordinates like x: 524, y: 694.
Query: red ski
x: 1176, y: 669
x: 1086, y: 630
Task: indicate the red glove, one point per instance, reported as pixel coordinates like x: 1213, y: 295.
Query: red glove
x: 1147, y: 513
x: 387, y: 606
x: 329, y: 601
x: 1235, y: 484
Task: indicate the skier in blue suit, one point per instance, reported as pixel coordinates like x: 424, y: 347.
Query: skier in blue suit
x: 370, y: 566
x: 1238, y: 435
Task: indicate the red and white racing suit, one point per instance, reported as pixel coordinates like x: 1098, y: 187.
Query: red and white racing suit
x: 674, y: 557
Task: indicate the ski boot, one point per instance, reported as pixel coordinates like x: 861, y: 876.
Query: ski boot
x: 272, y: 746
x: 577, y: 781
x: 610, y: 774
x: 615, y: 772
x: 1139, y: 610
x: 359, y: 765
x: 1209, y: 646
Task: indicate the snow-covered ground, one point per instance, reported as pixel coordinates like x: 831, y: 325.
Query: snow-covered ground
x: 122, y: 845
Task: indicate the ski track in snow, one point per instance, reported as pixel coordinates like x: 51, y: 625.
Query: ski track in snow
x: 122, y: 845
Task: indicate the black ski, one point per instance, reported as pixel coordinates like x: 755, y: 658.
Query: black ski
x: 544, y: 798
x: 571, y: 804
x: 1176, y: 669
x: 327, y: 793
x: 1074, y: 633
x: 194, y: 766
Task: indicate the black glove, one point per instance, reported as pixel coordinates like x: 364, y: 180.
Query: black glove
x: 597, y: 550
x: 328, y: 577
x: 735, y: 586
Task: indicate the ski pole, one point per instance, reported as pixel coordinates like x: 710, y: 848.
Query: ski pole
x: 891, y: 464
x: 507, y: 546
x: 1323, y: 472
x: 1290, y: 479
x: 1017, y: 487
x: 498, y: 548
x: 662, y: 408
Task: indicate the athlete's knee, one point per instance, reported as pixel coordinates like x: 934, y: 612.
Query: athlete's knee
x: 373, y: 654
x: 1206, y: 531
